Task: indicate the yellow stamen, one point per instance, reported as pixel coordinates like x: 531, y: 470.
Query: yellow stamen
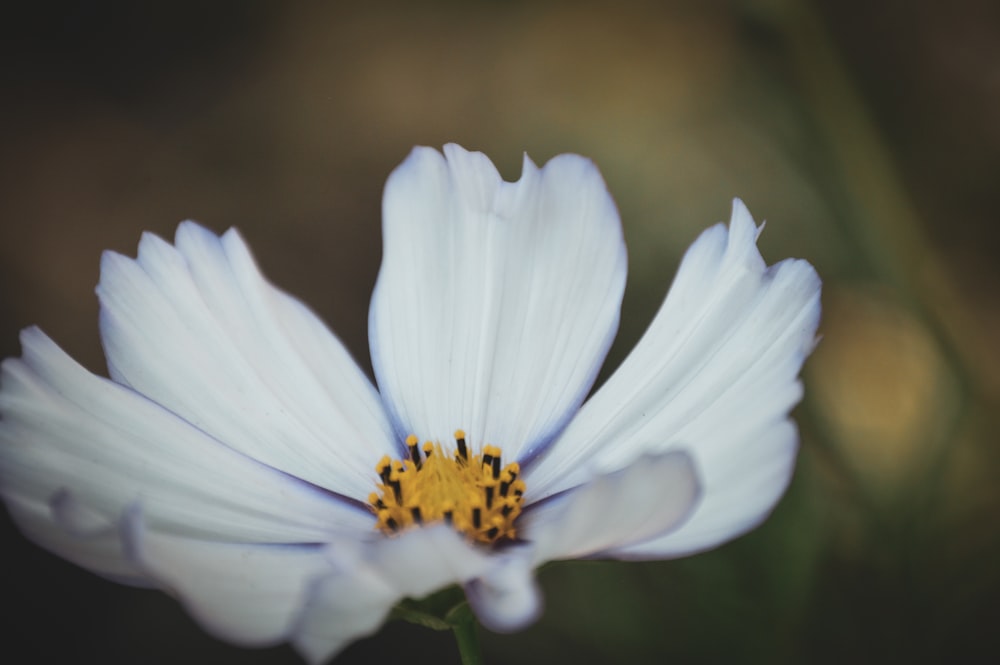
x: 475, y: 494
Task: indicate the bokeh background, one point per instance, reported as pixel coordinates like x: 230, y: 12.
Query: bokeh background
x: 865, y: 133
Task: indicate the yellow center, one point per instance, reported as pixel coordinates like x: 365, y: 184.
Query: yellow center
x: 473, y: 493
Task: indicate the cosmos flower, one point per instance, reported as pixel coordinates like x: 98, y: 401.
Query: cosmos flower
x: 239, y: 459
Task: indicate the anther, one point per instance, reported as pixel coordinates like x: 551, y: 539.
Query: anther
x: 384, y: 468
x: 509, y: 476
x: 473, y: 493
x: 411, y: 443
x: 491, y: 460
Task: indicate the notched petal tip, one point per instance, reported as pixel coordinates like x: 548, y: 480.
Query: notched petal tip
x: 555, y: 234
x: 740, y: 209
x: 111, y: 261
x: 41, y: 353
x: 528, y: 165
x: 29, y: 336
x: 459, y: 160
x: 197, y: 328
x: 232, y: 235
x: 570, y: 164
x: 717, y: 370
x: 190, y: 228
x: 419, y: 156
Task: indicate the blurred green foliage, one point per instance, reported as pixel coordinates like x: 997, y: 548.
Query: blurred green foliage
x: 865, y: 135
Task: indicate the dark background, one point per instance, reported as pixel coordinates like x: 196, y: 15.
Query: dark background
x: 865, y: 133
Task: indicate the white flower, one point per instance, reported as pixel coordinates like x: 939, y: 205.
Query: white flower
x: 233, y: 459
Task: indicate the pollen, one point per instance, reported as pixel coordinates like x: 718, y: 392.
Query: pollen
x: 476, y: 494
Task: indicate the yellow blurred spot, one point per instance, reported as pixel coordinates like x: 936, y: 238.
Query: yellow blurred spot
x: 880, y: 383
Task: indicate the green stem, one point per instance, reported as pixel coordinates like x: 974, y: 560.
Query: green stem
x: 466, y: 630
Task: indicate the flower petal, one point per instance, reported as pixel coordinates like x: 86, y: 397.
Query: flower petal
x: 372, y: 577
x: 197, y: 329
x: 98, y: 549
x: 496, y: 302
x: 743, y: 494
x: 68, y: 433
x: 247, y: 594
x: 507, y: 598
x: 716, y: 374
x: 647, y: 499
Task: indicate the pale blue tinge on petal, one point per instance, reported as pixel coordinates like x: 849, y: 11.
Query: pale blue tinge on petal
x: 716, y: 374
x: 496, y: 302
x: 98, y: 549
x: 65, y: 430
x: 199, y: 330
x: 652, y: 496
x: 742, y: 496
x: 507, y: 597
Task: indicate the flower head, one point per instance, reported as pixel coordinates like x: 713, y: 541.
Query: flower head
x: 239, y: 458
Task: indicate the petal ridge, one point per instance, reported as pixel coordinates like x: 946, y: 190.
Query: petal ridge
x: 64, y: 429
x: 496, y: 302
x: 716, y: 374
x: 229, y: 358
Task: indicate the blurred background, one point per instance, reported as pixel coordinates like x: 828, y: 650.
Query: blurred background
x: 866, y: 134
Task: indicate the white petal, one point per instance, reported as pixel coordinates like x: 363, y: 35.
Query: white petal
x: 715, y: 374
x: 374, y: 576
x: 198, y: 329
x: 99, y: 550
x: 507, y: 598
x: 647, y: 499
x: 342, y: 608
x: 66, y: 432
x: 250, y: 595
x: 496, y: 302
x: 743, y: 494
